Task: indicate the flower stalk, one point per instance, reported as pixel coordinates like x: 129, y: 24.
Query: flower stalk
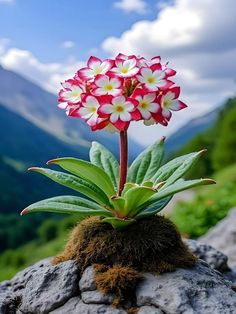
x: 123, y: 160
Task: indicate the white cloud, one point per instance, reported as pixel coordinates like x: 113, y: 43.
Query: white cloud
x: 68, y: 44
x: 198, y: 39
x: 47, y: 75
x: 138, y: 6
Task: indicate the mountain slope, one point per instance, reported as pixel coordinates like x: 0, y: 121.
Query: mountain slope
x: 39, y: 107
x: 190, y: 129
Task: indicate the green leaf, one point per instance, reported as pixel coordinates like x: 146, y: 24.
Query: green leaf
x: 146, y: 164
x: 165, y: 171
x: 87, y: 188
x: 153, y: 208
x: 104, y: 159
x: 118, y: 223
x: 87, y: 171
x: 73, y: 200
x: 136, y: 197
x: 183, y: 168
x: 178, y: 186
x: 118, y: 203
x: 127, y: 187
x: 63, y: 208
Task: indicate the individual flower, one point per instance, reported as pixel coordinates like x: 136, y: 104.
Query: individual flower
x: 146, y: 103
x: 153, y: 78
x: 70, y: 94
x: 169, y: 102
x: 120, y: 111
x: 125, y: 67
x: 107, y: 85
x: 89, y: 110
x: 94, y: 67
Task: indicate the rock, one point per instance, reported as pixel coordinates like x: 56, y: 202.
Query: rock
x: 43, y: 289
x: 87, y: 282
x: 199, y: 290
x: 76, y: 306
x: 149, y: 310
x: 214, y: 258
x: 223, y: 237
x: 96, y: 297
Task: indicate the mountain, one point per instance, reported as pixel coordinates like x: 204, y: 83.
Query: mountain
x: 39, y: 107
x: 197, y: 125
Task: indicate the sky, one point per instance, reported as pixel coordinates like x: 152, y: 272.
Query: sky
x: 48, y: 41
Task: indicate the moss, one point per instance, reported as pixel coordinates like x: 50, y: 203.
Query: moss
x: 118, y: 280
x: 152, y: 244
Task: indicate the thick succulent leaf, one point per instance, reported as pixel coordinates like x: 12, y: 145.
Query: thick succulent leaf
x: 148, y: 184
x: 153, y: 208
x: 136, y: 197
x: 63, y: 208
x: 118, y: 203
x: 118, y: 223
x: 165, y: 171
x: 187, y: 164
x: 127, y: 187
x: 87, y: 188
x: 178, y: 186
x: 87, y: 171
x: 104, y: 159
x: 147, y: 163
x: 72, y: 200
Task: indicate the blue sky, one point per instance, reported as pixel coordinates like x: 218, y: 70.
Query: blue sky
x: 41, y: 26
x: 48, y: 40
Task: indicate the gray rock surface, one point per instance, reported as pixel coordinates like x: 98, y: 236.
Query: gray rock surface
x: 43, y: 288
x: 189, y: 291
x: 223, y: 237
x: 213, y: 257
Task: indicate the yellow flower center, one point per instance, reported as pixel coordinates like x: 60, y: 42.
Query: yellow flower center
x: 97, y: 70
x: 151, y: 79
x: 93, y: 109
x: 124, y: 70
x: 75, y: 93
x: 119, y: 108
x: 143, y: 104
x: 166, y: 103
x: 109, y: 87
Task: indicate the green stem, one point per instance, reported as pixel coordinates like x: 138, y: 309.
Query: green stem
x: 123, y: 160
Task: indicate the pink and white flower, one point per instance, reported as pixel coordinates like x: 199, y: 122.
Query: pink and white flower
x: 153, y: 79
x: 169, y: 102
x: 146, y: 103
x: 89, y: 110
x: 94, y: 67
x: 120, y: 111
x: 107, y: 85
x: 126, y: 68
x: 70, y: 94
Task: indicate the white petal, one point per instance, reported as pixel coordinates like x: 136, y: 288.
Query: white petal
x: 128, y: 106
x: 107, y: 109
x: 175, y: 105
x: 166, y: 113
x: 130, y: 63
x: 149, y: 97
x: 115, y: 82
x: 153, y: 107
x: 94, y: 65
x: 92, y: 120
x: 100, y: 82
x: 118, y: 100
x: 114, y: 117
x: 145, y: 113
x: 146, y: 72
x: 159, y: 74
x: 91, y: 102
x: 125, y: 116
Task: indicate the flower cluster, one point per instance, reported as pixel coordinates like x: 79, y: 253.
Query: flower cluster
x: 112, y: 93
